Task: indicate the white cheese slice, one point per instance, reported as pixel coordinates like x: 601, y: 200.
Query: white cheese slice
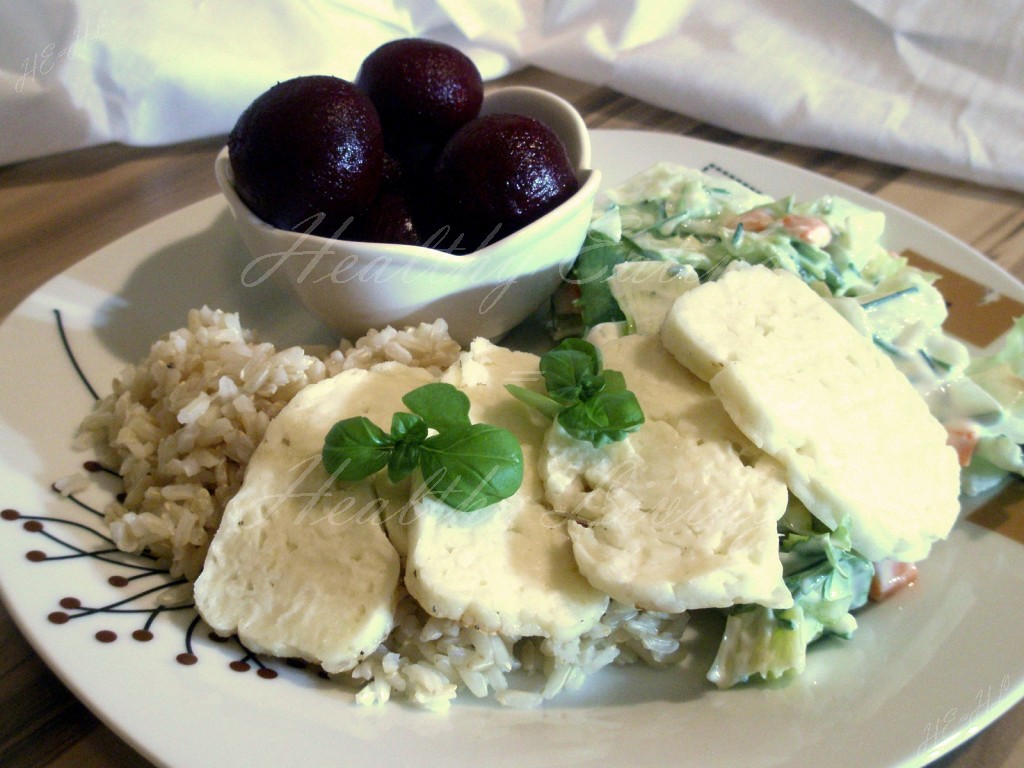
x: 682, y: 514
x: 856, y: 438
x: 646, y: 290
x: 300, y: 566
x: 507, y: 568
x: 395, y: 509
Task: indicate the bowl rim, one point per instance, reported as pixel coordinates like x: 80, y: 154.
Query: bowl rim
x: 589, y: 181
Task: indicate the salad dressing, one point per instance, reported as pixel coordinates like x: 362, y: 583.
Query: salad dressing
x: 670, y: 228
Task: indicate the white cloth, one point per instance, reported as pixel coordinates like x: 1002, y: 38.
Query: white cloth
x: 931, y: 84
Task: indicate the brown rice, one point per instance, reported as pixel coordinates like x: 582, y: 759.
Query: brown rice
x: 180, y: 426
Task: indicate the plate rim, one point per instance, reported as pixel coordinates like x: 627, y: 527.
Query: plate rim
x: 214, y: 205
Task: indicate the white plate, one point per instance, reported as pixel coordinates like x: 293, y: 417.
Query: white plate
x: 925, y: 671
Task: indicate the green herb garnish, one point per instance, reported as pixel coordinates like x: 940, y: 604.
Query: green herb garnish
x: 888, y: 297
x: 464, y: 465
x: 588, y: 402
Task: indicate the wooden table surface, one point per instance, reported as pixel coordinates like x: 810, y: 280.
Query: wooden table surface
x: 57, y: 210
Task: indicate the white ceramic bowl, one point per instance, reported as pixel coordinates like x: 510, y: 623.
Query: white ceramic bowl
x: 353, y: 286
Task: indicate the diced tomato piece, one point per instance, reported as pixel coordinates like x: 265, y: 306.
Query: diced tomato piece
x: 755, y: 220
x: 811, y: 230
x: 963, y: 438
x: 890, y: 577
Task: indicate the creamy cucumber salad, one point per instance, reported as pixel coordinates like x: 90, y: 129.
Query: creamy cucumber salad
x: 670, y: 228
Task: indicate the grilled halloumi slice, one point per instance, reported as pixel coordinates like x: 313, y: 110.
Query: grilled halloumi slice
x: 300, y: 566
x: 680, y: 515
x: 856, y: 438
x: 509, y: 567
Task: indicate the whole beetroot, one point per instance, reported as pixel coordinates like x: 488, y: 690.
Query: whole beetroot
x: 497, y: 174
x: 423, y: 90
x: 308, y: 149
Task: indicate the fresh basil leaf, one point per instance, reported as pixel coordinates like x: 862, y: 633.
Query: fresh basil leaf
x: 408, y: 428
x: 585, y: 421
x: 584, y: 347
x: 355, y: 448
x: 606, y: 418
x: 544, y: 404
x: 614, y: 381
x: 408, y: 431
x: 440, y: 405
x: 403, y: 461
x: 591, y: 404
x: 570, y: 369
x: 469, y: 468
x: 590, y: 385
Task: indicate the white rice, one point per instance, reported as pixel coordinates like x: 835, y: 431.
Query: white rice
x: 180, y: 427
